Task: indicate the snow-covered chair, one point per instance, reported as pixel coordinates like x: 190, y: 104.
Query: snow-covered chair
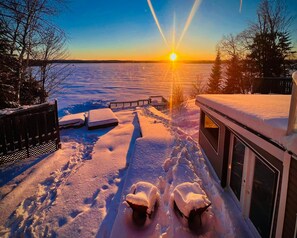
x: 190, y: 202
x: 143, y: 201
x: 101, y: 118
x: 72, y: 120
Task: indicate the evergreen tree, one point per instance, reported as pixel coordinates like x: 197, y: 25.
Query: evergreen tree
x: 270, y: 45
x: 214, y: 82
x: 234, y: 76
x: 8, y: 73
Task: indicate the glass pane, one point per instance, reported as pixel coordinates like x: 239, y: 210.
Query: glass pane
x: 237, y: 167
x: 208, y: 123
x: 212, y: 131
x: 263, y: 196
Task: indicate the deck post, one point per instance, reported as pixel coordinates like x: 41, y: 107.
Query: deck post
x: 57, y: 125
x: 293, y: 106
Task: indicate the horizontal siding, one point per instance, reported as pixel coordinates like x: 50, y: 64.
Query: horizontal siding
x: 291, y: 205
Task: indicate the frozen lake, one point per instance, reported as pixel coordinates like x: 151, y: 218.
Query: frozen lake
x: 105, y: 82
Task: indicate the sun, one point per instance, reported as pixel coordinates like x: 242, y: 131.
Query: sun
x: 173, y: 56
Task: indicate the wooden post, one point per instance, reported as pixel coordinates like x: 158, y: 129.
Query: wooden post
x: 25, y: 126
x: 58, y: 143
x: 2, y: 131
x: 293, y: 106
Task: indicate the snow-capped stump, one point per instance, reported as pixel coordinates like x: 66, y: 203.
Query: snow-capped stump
x: 191, y: 202
x: 143, y: 201
x: 101, y: 118
x: 72, y: 120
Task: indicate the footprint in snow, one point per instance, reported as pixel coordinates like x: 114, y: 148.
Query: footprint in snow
x: 90, y: 200
x: 104, y: 187
x: 75, y: 213
x: 62, y: 221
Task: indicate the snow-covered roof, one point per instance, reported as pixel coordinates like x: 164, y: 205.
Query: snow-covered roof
x: 266, y: 114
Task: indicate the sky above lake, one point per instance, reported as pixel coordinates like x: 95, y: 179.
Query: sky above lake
x: 127, y: 30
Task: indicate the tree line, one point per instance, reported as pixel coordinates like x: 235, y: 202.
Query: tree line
x: 27, y: 33
x: 263, y: 50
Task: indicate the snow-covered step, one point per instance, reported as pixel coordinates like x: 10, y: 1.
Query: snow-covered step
x: 72, y: 120
x: 100, y: 118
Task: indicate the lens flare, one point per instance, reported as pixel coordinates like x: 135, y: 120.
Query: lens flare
x: 189, y: 20
x: 157, y: 22
x: 173, y: 56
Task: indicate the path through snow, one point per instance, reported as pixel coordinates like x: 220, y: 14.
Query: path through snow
x: 185, y: 163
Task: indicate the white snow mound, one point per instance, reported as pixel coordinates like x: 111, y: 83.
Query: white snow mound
x: 143, y: 194
x: 77, y: 119
x: 189, y: 196
x: 101, y: 117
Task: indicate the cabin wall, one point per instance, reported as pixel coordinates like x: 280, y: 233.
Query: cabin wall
x: 291, y: 204
x: 218, y: 157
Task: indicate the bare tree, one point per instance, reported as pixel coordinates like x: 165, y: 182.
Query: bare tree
x: 177, y: 97
x: 233, y: 51
x: 27, y: 23
x: 51, y: 48
x: 198, y: 87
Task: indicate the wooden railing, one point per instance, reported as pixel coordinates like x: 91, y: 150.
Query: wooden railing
x: 29, y: 132
x: 128, y: 104
x: 157, y: 101
x: 274, y: 85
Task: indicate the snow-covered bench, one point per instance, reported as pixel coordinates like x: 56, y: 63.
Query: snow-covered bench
x: 72, y: 120
x: 100, y: 118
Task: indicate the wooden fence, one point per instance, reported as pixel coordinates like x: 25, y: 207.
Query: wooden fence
x: 157, y: 101
x: 29, y: 132
x: 128, y: 104
x: 273, y: 85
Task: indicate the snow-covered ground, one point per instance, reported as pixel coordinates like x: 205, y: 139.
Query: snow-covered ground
x: 80, y: 190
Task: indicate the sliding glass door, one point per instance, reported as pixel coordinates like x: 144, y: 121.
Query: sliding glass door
x: 237, y: 167
x: 263, y: 196
x: 254, y: 182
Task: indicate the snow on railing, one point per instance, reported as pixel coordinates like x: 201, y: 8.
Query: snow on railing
x: 292, y: 124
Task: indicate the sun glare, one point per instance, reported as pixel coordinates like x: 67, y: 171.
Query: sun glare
x: 173, y: 56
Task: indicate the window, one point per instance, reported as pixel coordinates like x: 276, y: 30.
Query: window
x: 263, y: 197
x: 237, y: 167
x: 210, y: 130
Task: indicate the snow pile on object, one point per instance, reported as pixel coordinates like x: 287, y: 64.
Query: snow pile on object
x: 143, y: 194
x: 72, y: 120
x: 101, y: 118
x: 189, y: 196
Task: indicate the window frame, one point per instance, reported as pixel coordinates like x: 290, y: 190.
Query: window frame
x: 207, y: 134
x: 244, y: 203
